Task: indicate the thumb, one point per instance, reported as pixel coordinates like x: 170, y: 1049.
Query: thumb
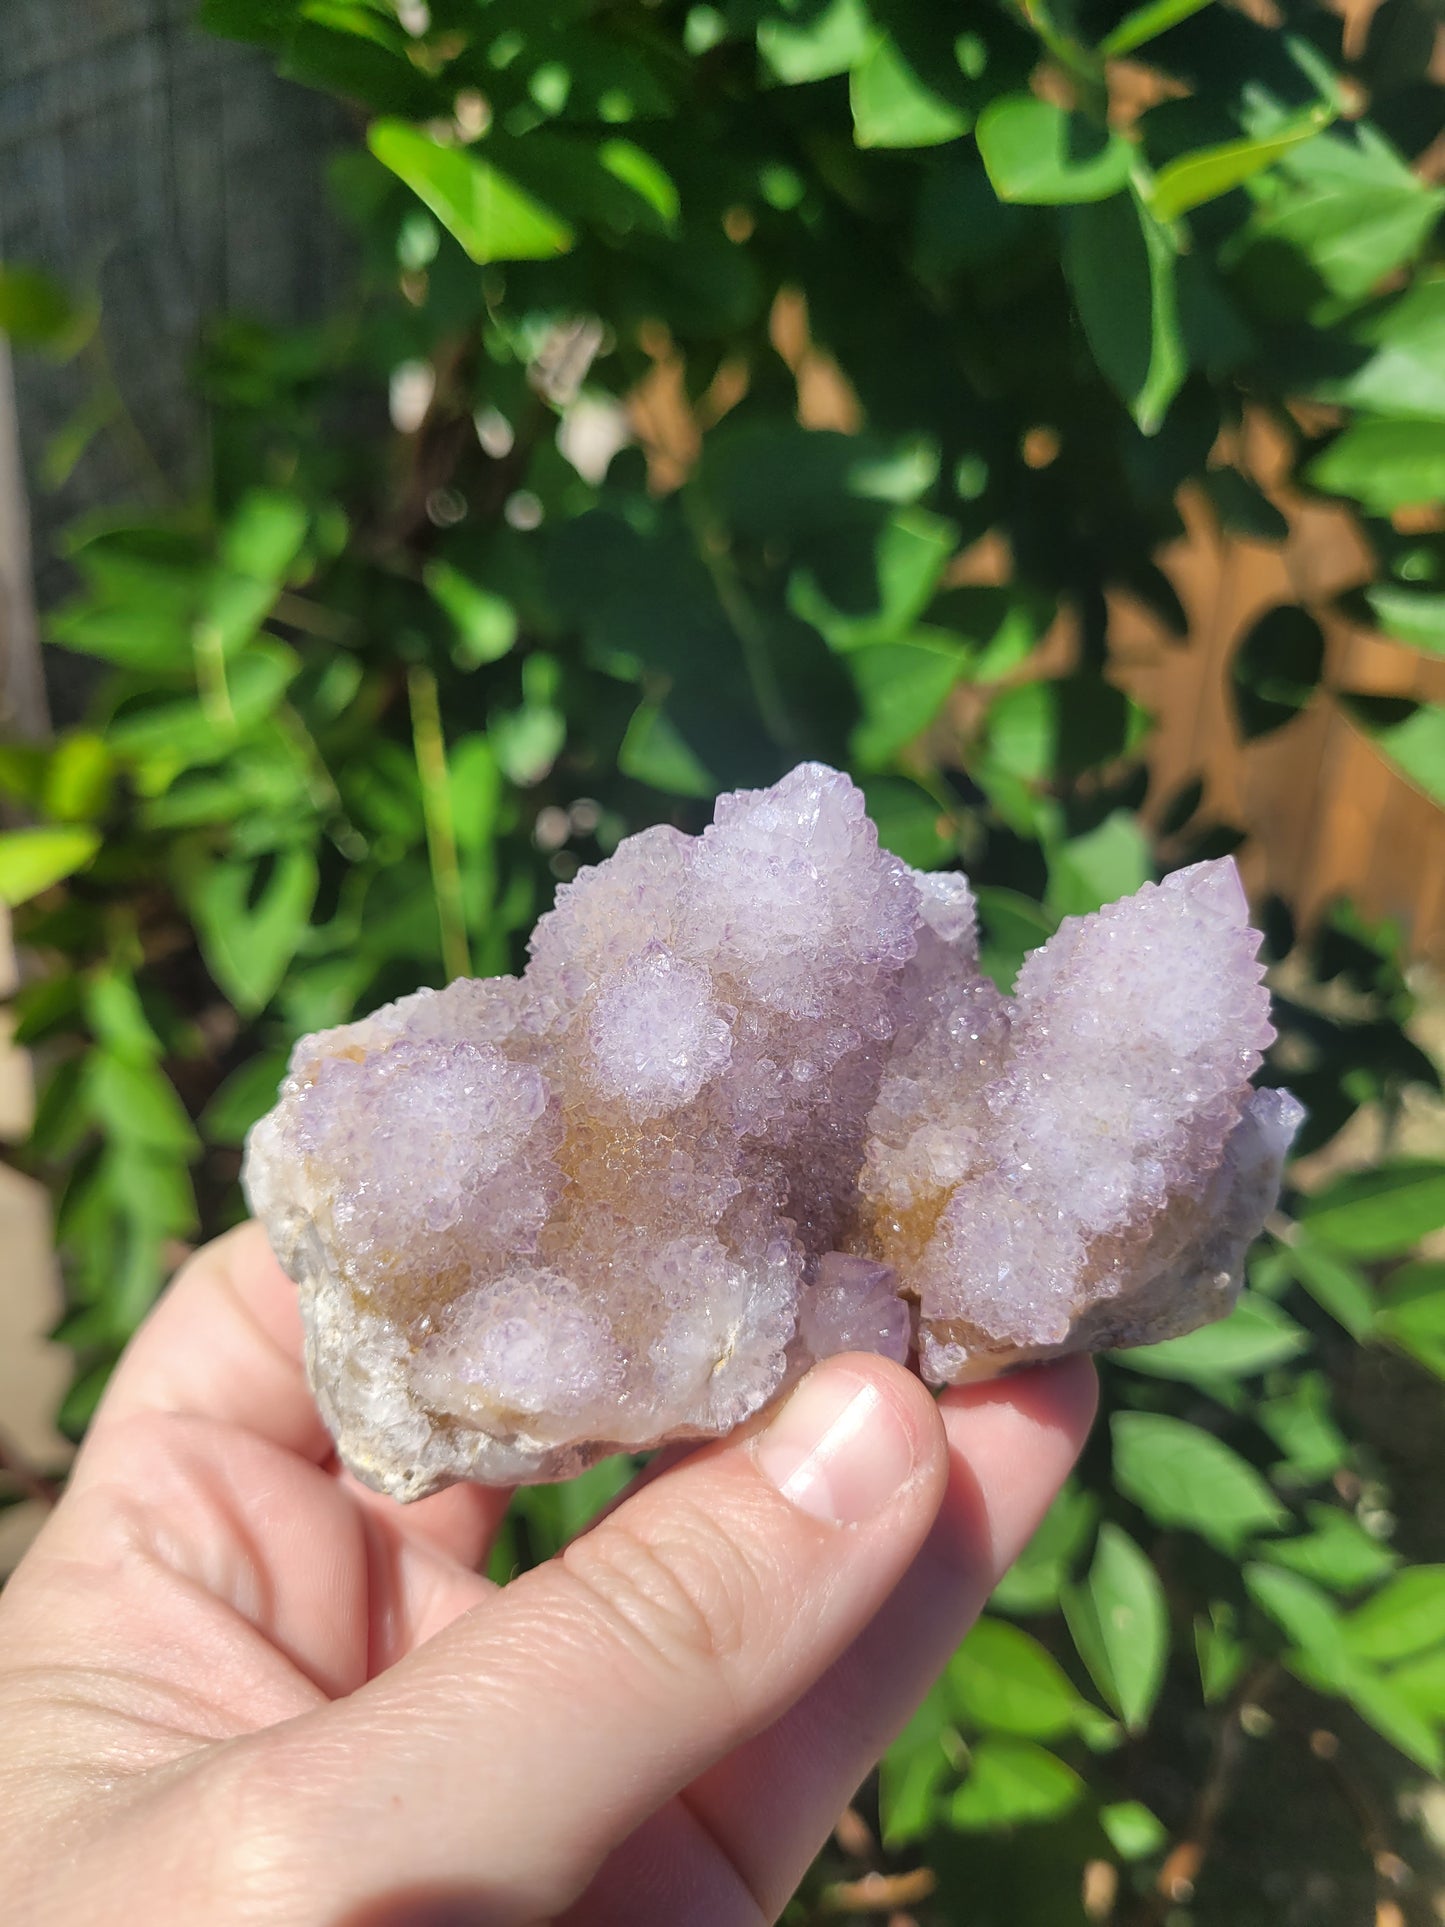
x: 535, y: 1733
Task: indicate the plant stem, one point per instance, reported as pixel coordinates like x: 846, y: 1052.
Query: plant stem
x: 436, y: 799
x: 211, y: 682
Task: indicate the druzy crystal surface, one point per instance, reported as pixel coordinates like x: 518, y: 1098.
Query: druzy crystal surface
x: 753, y: 1102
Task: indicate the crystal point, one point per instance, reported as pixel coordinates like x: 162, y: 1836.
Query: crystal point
x: 753, y: 1102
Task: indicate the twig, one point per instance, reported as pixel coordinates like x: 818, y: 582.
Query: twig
x: 879, y: 1893
x: 1180, y: 1872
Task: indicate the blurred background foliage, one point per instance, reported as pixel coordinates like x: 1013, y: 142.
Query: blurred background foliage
x: 721, y: 385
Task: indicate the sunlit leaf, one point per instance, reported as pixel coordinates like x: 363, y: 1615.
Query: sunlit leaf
x: 1384, y: 464
x: 1183, y: 1476
x: 818, y: 42
x: 1003, y: 1680
x: 1134, y: 1832
x: 1256, y: 1336
x: 1407, y: 1616
x: 1038, y: 153
x: 1221, y: 1653
x: 1370, y: 1214
x: 491, y: 216
x: 1203, y: 176
x: 1146, y: 23
x: 893, y: 106
x: 1013, y: 1783
x: 1413, y: 1313
x: 1120, y: 1625
x: 31, y: 860
x: 1337, y: 1552
x: 1336, y: 1285
x: 247, y: 946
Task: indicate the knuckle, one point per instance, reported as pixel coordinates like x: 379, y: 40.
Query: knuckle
x: 690, y: 1595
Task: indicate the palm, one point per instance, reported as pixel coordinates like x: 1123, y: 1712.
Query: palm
x: 193, y: 1655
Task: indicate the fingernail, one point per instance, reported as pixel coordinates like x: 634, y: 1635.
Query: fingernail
x: 838, y: 1450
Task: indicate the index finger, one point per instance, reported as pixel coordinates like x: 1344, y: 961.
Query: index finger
x: 224, y: 1342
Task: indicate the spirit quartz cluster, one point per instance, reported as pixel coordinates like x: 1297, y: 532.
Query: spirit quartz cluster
x: 753, y: 1102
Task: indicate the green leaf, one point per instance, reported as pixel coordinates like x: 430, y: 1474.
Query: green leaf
x: 1350, y: 211
x: 901, y: 688
x: 32, y: 860
x: 1337, y: 1552
x: 909, y: 821
x: 1308, y: 1619
x: 1182, y: 1476
x: 1044, y: 730
x: 894, y: 107
x: 245, y: 1096
x: 491, y: 216
x: 1211, y: 171
x: 36, y: 312
x: 1013, y: 925
x: 1254, y: 1338
x: 528, y: 741
x: 1413, y: 1316
x: 247, y: 946
x: 1391, y: 1712
x: 1406, y: 1617
x: 1337, y: 1286
x: 911, y: 1777
x: 1133, y: 1831
x: 820, y: 42
x: 115, y: 1013
x: 655, y: 752
x: 1222, y: 1655
x: 137, y: 1103
x: 1372, y: 1214
x: 1409, y: 615
x: 1421, y: 1683
x: 1300, y: 1424
x: 1405, y: 373
x: 1120, y: 1625
x: 1106, y: 863
x: 164, y: 738
x: 1003, y: 1680
x: 1384, y: 464
x: 1415, y: 744
x: 1035, y: 1581
x: 647, y: 177
x: 1041, y: 155
x: 264, y: 535
x: 1013, y: 1783
x: 1120, y: 265
x: 1276, y: 669
x: 912, y: 551
x: 1147, y: 23
x: 486, y: 623
x: 78, y: 778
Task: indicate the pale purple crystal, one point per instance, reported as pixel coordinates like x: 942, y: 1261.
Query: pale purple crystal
x: 752, y: 1103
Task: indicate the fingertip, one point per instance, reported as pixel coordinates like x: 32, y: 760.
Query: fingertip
x: 1012, y: 1443
x: 1061, y: 1396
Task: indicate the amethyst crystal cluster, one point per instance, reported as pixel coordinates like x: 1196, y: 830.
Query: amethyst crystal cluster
x: 753, y: 1102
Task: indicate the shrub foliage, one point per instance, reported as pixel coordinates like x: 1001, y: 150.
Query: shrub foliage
x: 695, y: 357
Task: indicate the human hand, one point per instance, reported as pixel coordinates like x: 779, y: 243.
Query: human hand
x: 236, y: 1688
